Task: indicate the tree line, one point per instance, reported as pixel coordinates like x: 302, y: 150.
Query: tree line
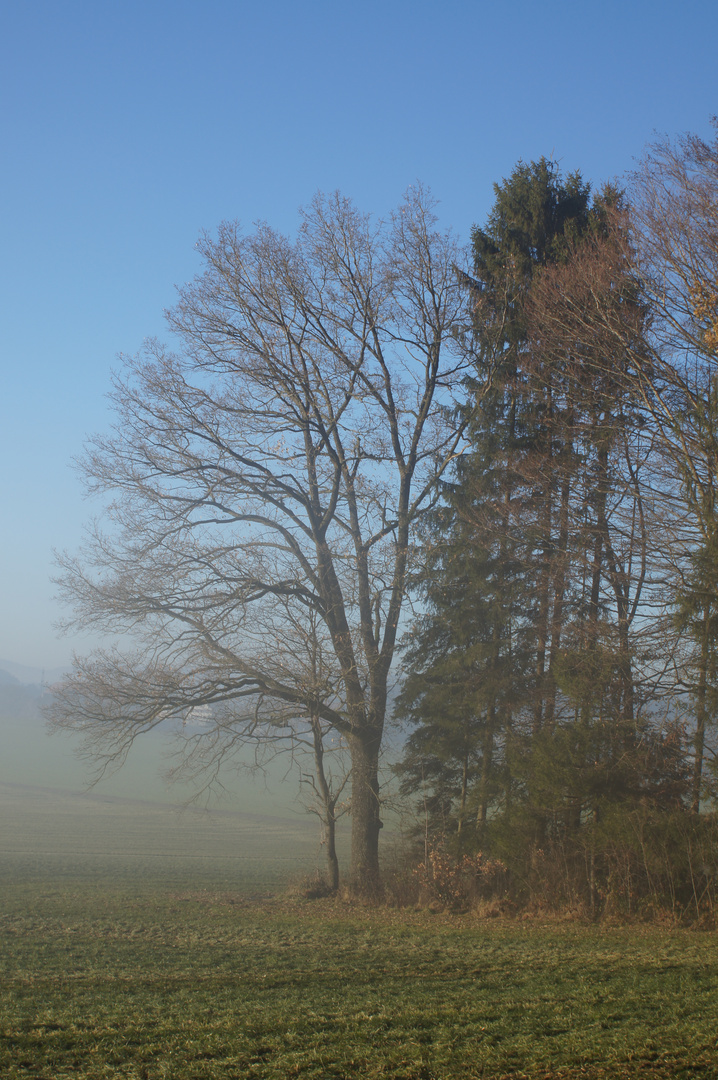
x: 521, y: 437
x: 561, y: 680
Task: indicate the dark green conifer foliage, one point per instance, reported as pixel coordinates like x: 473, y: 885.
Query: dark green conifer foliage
x: 536, y: 218
x: 548, y: 690
x: 463, y: 660
x: 472, y: 662
x: 520, y: 681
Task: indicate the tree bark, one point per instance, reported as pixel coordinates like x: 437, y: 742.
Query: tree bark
x: 332, y: 859
x: 364, y: 874
x: 700, y: 733
x: 329, y: 805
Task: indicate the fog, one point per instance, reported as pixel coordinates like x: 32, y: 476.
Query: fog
x: 256, y: 832
x: 32, y: 756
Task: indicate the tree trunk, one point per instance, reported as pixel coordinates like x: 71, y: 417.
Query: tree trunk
x: 332, y: 860
x: 328, y: 805
x: 486, y: 768
x: 558, y: 603
x: 464, y: 792
x: 542, y: 629
x: 546, y: 515
x: 364, y: 875
x: 700, y: 732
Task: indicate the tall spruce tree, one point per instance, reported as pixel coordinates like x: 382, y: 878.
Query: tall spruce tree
x: 536, y: 217
x: 536, y: 675
x: 537, y: 558
x: 495, y: 575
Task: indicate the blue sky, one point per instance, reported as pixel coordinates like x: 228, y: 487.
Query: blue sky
x: 128, y: 128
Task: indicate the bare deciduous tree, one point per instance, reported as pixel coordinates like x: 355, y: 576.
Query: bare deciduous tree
x: 657, y: 351
x: 267, y: 477
x: 675, y: 223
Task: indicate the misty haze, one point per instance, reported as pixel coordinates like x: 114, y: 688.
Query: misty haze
x: 359, y: 559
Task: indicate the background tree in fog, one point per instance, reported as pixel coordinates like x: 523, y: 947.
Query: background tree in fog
x: 269, y: 475
x: 302, y: 656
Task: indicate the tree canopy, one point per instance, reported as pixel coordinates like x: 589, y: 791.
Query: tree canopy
x: 524, y: 437
x: 565, y: 658
x: 264, y: 484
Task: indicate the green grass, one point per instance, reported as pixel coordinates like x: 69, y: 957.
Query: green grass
x: 135, y: 976
x: 60, y: 835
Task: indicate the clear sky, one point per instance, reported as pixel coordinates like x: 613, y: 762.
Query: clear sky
x: 126, y: 128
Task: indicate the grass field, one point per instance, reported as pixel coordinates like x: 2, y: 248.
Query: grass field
x: 61, y: 834
x: 140, y: 966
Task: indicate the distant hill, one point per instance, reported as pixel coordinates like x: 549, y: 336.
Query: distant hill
x: 18, y: 702
x: 29, y: 755
x: 22, y: 689
x: 27, y: 675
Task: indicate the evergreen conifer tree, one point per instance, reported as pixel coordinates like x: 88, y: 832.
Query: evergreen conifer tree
x: 477, y: 660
